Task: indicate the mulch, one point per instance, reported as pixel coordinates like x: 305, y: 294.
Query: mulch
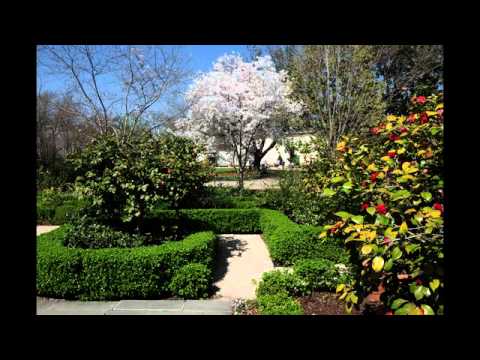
x: 324, y: 303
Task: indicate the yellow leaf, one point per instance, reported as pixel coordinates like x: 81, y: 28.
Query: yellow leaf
x: 389, y: 126
x: 366, y: 249
x: 403, y: 228
x: 381, y: 175
x: 439, y: 106
x: 435, y: 213
x: 401, y: 119
x: 391, y: 118
x: 385, y: 168
x: 386, y: 158
x: 372, y: 167
x: 400, y: 151
x: 431, y: 113
x: 397, y: 172
x: 390, y: 233
x: 323, y: 234
x: 420, y: 152
x: 341, y: 146
x: 377, y: 263
x: 340, y: 287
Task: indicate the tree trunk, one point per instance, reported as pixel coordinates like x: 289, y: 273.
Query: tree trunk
x: 257, y: 157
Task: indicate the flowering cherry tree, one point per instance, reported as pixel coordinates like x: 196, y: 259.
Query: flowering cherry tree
x: 240, y: 102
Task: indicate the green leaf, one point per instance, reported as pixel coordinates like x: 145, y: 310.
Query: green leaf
x: 418, y: 292
x: 388, y: 265
x: 434, y: 130
x: 396, y: 253
x: 358, y: 219
x: 426, y: 195
x: 427, y: 309
x: 405, y: 309
x: 343, y: 214
x: 328, y: 192
x: 347, y: 186
x: 397, y: 303
x: 371, y: 210
x: 400, y: 194
x: 337, y: 179
x: 434, y: 284
x: 383, y: 220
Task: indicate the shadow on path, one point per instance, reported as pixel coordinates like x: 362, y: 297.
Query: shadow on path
x: 227, y: 246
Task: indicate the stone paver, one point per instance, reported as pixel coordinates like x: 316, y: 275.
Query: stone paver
x: 240, y: 259
x: 42, y: 229
x: 134, y: 307
x: 258, y: 184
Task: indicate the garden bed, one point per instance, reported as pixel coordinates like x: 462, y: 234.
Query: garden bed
x: 324, y: 303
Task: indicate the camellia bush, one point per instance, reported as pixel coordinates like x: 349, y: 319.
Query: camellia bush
x: 396, y: 232
x: 125, y: 178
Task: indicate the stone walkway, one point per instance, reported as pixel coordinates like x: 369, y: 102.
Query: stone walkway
x: 240, y: 259
x: 134, y: 307
x: 42, y: 229
x: 259, y: 184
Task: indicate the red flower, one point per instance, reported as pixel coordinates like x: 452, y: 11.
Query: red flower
x: 403, y: 130
x: 411, y: 118
x: 418, y: 282
x: 394, y: 137
x: 440, y: 112
x: 373, y: 176
x: 423, y: 118
x: 421, y: 100
x: 438, y: 206
x: 389, y: 312
x: 375, y: 130
x: 381, y: 209
x: 364, y: 206
x: 387, y: 240
x: 392, y: 153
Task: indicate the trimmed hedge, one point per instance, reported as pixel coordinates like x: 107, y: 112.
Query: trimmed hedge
x: 107, y: 274
x: 192, y: 281
x: 220, y: 221
x: 288, y: 242
x: 278, y: 304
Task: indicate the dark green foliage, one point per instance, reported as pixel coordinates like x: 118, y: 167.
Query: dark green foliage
x: 240, y: 221
x: 288, y: 242
x: 95, y: 236
x: 277, y: 281
x: 107, y: 274
x: 56, y: 208
x: 321, y: 274
x: 278, y: 304
x: 191, y: 282
x: 126, y: 177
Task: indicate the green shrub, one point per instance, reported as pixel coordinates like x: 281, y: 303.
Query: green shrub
x: 220, y: 221
x: 104, y: 274
x: 277, y: 281
x: 278, y: 304
x: 191, y: 282
x: 321, y: 274
x: 96, y: 236
x: 288, y: 242
x: 125, y: 177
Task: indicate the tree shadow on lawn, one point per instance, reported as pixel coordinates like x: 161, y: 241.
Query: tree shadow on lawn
x: 227, y: 246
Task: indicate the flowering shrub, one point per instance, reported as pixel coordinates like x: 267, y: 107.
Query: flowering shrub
x: 395, y: 179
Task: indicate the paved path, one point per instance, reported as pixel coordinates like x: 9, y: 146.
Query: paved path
x: 41, y: 229
x: 259, y: 184
x: 240, y: 258
x: 134, y: 307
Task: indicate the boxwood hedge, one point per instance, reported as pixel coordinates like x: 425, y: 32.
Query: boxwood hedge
x: 101, y: 274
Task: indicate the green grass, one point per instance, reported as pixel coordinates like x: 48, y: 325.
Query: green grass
x: 223, y: 170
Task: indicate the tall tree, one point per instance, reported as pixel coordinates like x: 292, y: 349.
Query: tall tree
x: 116, y: 81
x: 243, y: 102
x: 407, y: 70
x: 338, y: 88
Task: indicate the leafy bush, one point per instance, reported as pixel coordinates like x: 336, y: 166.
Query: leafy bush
x: 277, y: 281
x: 103, y: 274
x: 398, y: 231
x: 87, y: 235
x: 321, y: 274
x: 56, y: 207
x: 192, y: 281
x: 278, y: 304
x: 220, y: 221
x: 288, y: 242
x: 126, y: 177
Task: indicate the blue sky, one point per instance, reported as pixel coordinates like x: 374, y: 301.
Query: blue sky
x: 201, y: 58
